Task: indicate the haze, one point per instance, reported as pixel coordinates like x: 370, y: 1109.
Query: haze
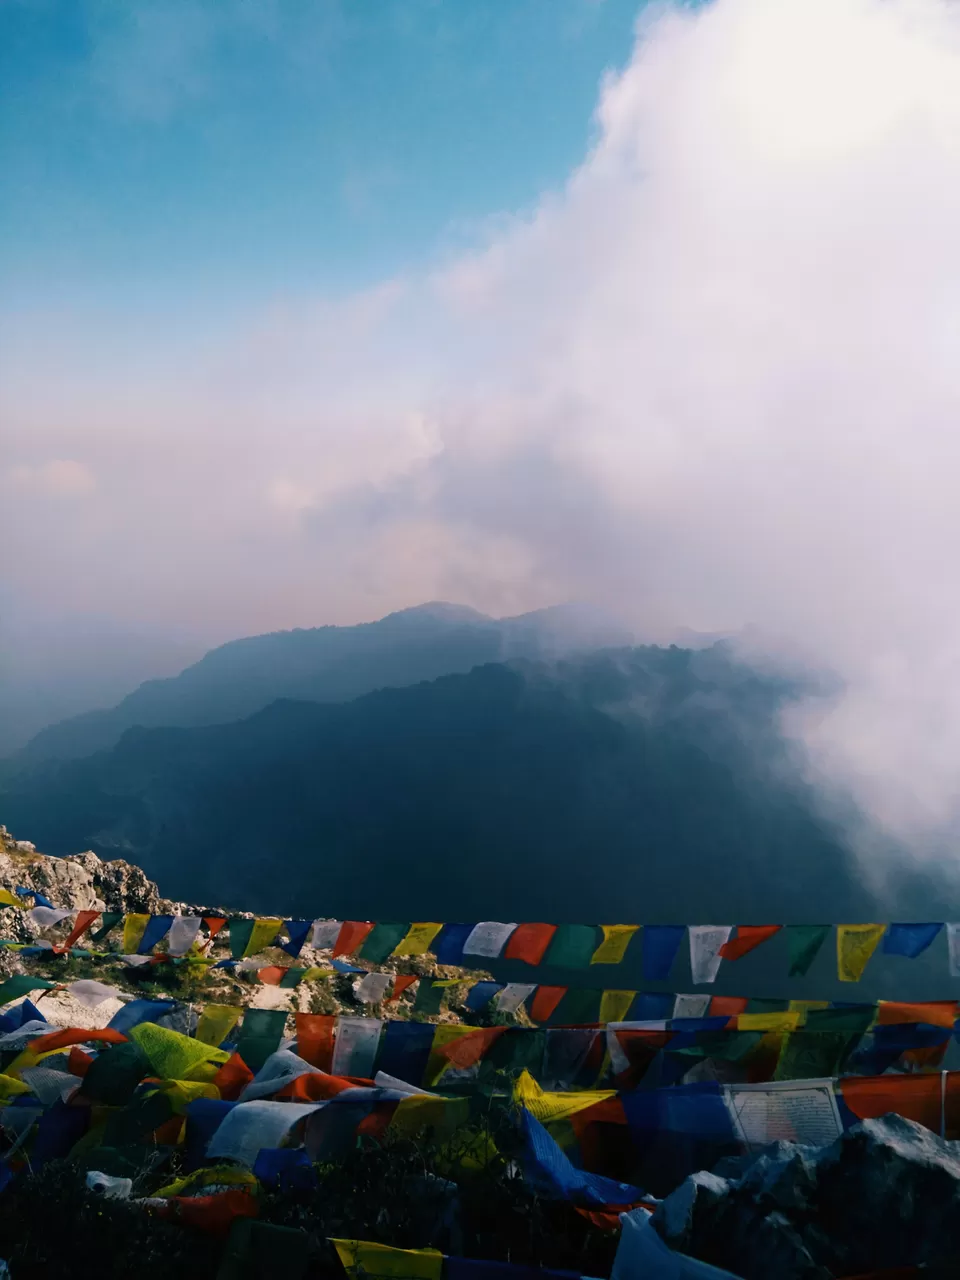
x: 705, y: 372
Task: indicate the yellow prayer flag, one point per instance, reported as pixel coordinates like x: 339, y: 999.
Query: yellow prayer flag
x: 363, y: 1258
x: 134, y: 927
x: 614, y: 1005
x: 217, y: 1175
x: 856, y: 943
x: 216, y: 1023
x: 417, y: 939
x: 9, y: 1087
x: 442, y: 1116
x: 616, y: 939
x: 779, y: 1020
x: 443, y: 1035
x: 548, y: 1107
x: 8, y: 899
x: 262, y: 934
x: 803, y: 1007
x: 182, y: 1092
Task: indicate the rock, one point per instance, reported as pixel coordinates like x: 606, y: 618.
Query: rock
x: 886, y: 1194
x: 80, y: 881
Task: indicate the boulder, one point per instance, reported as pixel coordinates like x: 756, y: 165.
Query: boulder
x: 886, y: 1194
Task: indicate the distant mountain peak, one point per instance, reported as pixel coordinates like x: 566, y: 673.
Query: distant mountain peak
x: 442, y: 611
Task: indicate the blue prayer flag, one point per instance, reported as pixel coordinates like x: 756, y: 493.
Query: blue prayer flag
x: 405, y: 1049
x: 157, y: 927
x: 137, y: 1011
x: 448, y: 944
x: 909, y: 939
x: 550, y: 1172
x: 661, y: 942
x: 298, y: 930
x: 481, y: 994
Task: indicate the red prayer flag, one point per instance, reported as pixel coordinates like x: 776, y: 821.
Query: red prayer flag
x: 352, y: 935
x: 232, y: 1078
x: 83, y: 922
x: 315, y: 1038
x: 935, y: 1013
x: 401, y: 982
x: 214, y: 924
x: 545, y: 1001
x: 273, y: 974
x: 727, y: 1006
x: 214, y: 1214
x: 469, y: 1049
x: 748, y: 937
x: 528, y: 942
x: 75, y: 1035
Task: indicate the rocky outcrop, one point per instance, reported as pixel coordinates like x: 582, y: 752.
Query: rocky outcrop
x: 886, y: 1194
x: 81, y: 881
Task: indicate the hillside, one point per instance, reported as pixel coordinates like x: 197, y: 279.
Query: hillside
x: 327, y: 664
x: 646, y: 783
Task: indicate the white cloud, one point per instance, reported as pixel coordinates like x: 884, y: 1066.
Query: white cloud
x: 713, y: 381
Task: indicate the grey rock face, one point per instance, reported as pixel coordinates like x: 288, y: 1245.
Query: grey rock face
x: 886, y: 1194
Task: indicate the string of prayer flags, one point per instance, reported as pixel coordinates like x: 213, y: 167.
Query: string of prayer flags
x: 616, y: 939
x: 856, y: 943
x: 804, y: 942
x: 748, y: 938
x: 706, y: 941
x: 660, y: 943
x: 909, y: 940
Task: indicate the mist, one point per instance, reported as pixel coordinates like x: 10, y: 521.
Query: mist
x: 711, y: 382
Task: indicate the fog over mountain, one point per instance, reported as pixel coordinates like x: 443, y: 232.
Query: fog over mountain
x: 709, y: 381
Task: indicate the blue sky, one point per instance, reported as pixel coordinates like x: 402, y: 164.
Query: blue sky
x: 239, y: 149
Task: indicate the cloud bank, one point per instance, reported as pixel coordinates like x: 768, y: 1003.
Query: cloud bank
x: 714, y: 381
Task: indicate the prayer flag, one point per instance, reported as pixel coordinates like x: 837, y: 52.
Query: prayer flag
x: 748, y: 937
x: 82, y: 923
x: 364, y: 1260
x: 372, y: 988
x: 157, y: 927
x: 325, y: 934
x: 572, y: 946
x: 351, y: 937
x: 355, y: 1048
x: 528, y: 942
x: 545, y: 1002
x: 488, y: 939
x: 706, y: 941
x: 513, y: 995
x: 909, y: 939
x: 108, y: 920
x: 419, y: 939
x: 953, y: 949
x: 260, y: 1035
x: 184, y: 931
x: 449, y: 942
x: 616, y: 939
x: 856, y: 943
x: 660, y: 943
x: 297, y: 931
x: 216, y: 1023
x: 401, y: 982
x: 615, y: 1005
x: 8, y: 899
x: 134, y: 927
x: 481, y: 993
x: 315, y: 1038
x: 406, y: 1050
x: 21, y: 984
x: 381, y: 940
x: 805, y: 941
x: 262, y: 934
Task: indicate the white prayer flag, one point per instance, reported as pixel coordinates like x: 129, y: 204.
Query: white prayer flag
x: 183, y: 934
x: 355, y: 1048
x: 513, y: 995
x: 705, y: 943
x: 325, y: 933
x: 487, y: 938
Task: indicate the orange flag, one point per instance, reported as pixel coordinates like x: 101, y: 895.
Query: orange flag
x: 748, y: 937
x: 83, y: 922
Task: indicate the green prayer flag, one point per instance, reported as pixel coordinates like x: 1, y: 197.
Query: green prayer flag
x: 518, y: 1049
x: 21, y: 984
x: 805, y: 941
x: 572, y: 946
x: 728, y: 1046
x: 240, y: 931
x: 292, y: 977
x: 260, y: 1035
x: 110, y: 921
x: 429, y: 997
x: 578, y: 1005
x: 114, y: 1074
x: 854, y: 1019
x: 810, y: 1055
x: 381, y: 940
